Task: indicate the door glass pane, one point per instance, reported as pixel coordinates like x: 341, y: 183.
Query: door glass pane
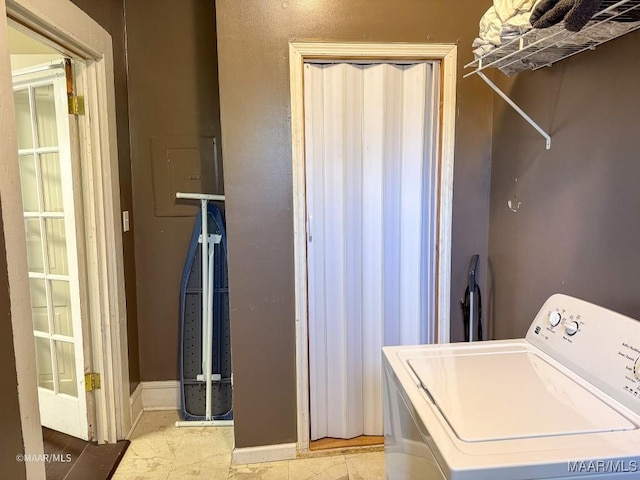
x: 39, y: 304
x: 46, y: 116
x: 35, y: 261
x: 66, y: 368
x: 23, y: 119
x: 28, y: 183
x: 51, y: 182
x: 61, y: 308
x: 43, y: 363
x: 56, y: 246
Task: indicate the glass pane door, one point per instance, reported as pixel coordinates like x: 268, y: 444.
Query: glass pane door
x: 47, y: 194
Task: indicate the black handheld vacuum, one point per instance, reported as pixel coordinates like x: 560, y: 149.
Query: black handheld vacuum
x: 472, y: 305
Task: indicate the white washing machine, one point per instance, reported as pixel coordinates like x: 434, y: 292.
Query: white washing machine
x: 562, y: 403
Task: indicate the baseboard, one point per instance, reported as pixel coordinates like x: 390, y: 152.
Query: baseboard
x: 265, y: 453
x: 136, y: 408
x: 163, y: 395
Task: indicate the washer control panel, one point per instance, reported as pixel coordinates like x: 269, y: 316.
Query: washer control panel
x: 601, y: 346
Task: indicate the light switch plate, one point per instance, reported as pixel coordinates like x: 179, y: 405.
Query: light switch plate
x: 125, y: 221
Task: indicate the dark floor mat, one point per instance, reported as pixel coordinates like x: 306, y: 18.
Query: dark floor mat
x: 75, y: 459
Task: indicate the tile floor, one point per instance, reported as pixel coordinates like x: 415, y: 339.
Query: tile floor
x: 161, y: 451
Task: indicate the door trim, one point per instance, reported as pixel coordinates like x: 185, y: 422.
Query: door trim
x: 62, y: 23
x: 301, y: 51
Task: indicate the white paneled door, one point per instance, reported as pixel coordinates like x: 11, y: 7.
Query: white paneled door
x: 52, y: 230
x: 371, y: 196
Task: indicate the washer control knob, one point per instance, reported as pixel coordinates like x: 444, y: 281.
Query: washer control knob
x: 636, y: 369
x: 554, y: 318
x: 571, y: 328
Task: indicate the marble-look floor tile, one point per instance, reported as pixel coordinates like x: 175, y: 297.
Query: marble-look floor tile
x: 141, y: 475
x: 260, y: 471
x: 155, y: 444
x: 192, y: 473
x: 365, y: 466
x: 203, y: 455
x: 145, y: 463
x: 321, y: 468
x: 161, y: 451
x: 160, y: 422
x: 151, y: 453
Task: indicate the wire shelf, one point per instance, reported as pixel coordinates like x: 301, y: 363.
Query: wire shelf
x: 538, y: 48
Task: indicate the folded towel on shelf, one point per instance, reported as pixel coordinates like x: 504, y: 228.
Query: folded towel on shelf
x: 510, y: 9
x: 504, y: 19
x: 490, y: 25
x: 575, y: 13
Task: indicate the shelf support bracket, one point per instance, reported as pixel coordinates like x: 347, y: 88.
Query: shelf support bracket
x: 516, y: 108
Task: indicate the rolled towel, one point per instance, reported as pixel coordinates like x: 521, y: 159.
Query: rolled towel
x: 549, y: 12
x: 576, y: 13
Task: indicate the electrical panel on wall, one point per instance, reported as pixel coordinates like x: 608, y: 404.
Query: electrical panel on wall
x: 182, y: 164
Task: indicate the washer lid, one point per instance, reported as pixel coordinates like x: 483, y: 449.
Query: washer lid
x: 513, y: 395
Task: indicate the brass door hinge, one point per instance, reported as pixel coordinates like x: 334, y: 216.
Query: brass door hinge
x: 76, y: 105
x: 91, y: 382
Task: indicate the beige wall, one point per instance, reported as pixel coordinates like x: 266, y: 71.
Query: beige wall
x: 11, y: 443
x: 253, y: 41
x: 578, y: 228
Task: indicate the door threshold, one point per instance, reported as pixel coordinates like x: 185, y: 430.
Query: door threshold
x: 76, y: 459
x: 329, y: 443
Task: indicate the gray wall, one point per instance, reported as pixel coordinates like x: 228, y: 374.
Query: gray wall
x: 253, y: 41
x: 110, y: 15
x: 578, y: 228
x: 173, y: 91
x: 11, y: 443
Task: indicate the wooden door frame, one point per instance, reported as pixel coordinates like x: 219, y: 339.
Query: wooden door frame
x: 61, y: 23
x: 301, y: 51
